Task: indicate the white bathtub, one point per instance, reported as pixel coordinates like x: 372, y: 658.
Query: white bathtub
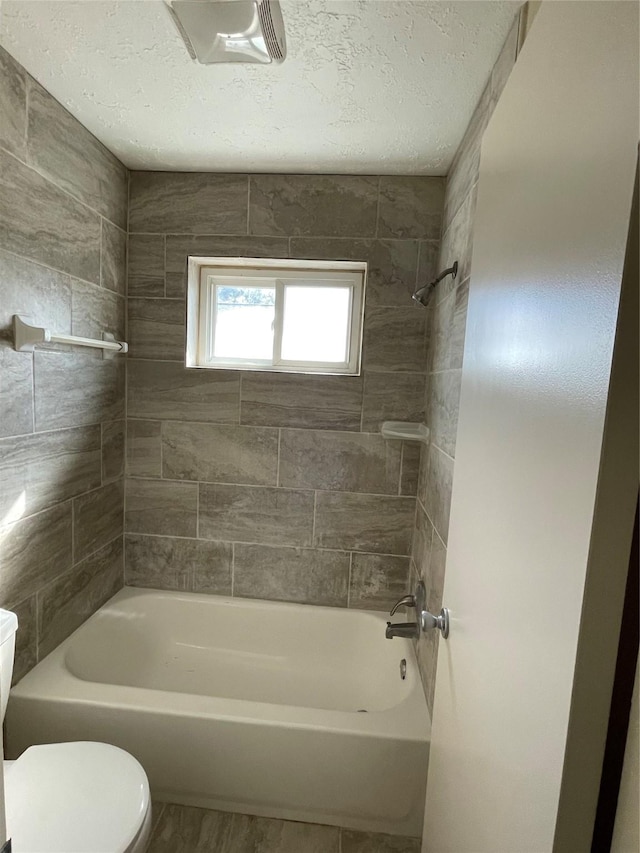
x: 271, y: 709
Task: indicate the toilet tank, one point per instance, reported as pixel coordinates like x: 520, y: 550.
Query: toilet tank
x: 8, y: 628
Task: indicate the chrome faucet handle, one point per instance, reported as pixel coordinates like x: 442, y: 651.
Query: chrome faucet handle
x: 405, y: 601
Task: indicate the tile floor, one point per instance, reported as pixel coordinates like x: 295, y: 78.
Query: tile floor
x: 182, y: 829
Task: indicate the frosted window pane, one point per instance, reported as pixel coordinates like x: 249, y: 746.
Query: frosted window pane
x: 316, y: 324
x: 244, y: 322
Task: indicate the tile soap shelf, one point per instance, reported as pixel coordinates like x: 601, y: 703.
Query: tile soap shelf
x: 405, y: 431
x: 26, y: 337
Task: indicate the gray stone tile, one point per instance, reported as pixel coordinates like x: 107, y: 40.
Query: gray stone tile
x: 13, y: 105
x: 434, y: 580
x: 410, y: 467
x: 144, y: 448
x: 443, y: 405
x: 212, y: 567
x: 505, y: 62
x: 421, y: 542
x: 313, y: 205
x: 113, y: 445
x: 181, y: 246
x: 391, y: 270
x: 281, y: 836
x: 373, y: 842
x: 377, y: 582
x: 41, y: 294
x: 372, y: 523
x: 394, y: 339
x: 339, y: 461
x: 428, y: 264
x: 60, y: 147
x: 16, y: 392
x: 457, y: 242
x: 264, y: 516
x: 228, y: 454
x: 39, y: 471
x: 113, y: 258
x: 162, y: 562
x: 157, y: 329
x: 43, y: 223
x: 98, y: 517
x: 426, y: 654
x: 187, y: 203
x: 69, y: 601
x: 157, y: 809
x: 156, y: 562
x: 96, y: 310
x: 438, y: 493
x: 392, y: 397
x: 146, y: 265
x: 411, y: 207
x: 458, y: 325
x: 183, y: 829
x: 35, y: 550
x: 76, y: 388
x: 167, y: 390
x: 26, y: 655
x: 297, y: 400
x: 423, y: 475
x: 463, y: 173
x: 161, y: 507
x: 440, y: 340
x: 305, y: 575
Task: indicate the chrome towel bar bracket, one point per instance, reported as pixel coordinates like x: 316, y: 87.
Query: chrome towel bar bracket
x: 27, y: 336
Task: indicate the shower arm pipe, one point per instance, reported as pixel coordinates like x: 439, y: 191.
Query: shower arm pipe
x: 26, y: 337
x: 422, y: 294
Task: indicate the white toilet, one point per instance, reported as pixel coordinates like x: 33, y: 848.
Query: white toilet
x: 71, y: 797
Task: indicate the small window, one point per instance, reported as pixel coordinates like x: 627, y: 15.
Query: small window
x: 279, y: 315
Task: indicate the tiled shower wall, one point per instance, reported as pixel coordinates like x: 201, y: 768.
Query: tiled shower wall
x: 275, y: 486
x: 63, y: 213
x: 445, y: 344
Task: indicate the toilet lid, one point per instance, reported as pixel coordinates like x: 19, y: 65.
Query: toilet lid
x: 75, y: 798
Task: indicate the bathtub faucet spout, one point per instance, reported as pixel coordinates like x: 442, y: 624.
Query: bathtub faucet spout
x: 402, y: 629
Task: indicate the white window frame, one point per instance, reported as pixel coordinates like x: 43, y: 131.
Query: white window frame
x: 205, y: 274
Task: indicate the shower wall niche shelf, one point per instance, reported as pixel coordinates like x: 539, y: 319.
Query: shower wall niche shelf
x: 26, y: 337
x: 405, y: 431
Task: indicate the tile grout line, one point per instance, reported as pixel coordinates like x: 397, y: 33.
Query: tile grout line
x: 101, y: 253
x: 62, y: 272
x: 313, y: 525
x: 28, y: 164
x: 306, y: 489
x: 233, y: 568
x: 37, y: 620
x: 197, y: 511
x: 33, y: 395
x: 27, y: 108
x: 280, y: 237
x: 164, y: 262
x: 271, y: 545
x: 278, y: 459
x: 248, y: 203
x: 73, y: 532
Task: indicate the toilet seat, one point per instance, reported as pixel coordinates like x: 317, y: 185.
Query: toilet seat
x: 80, y: 797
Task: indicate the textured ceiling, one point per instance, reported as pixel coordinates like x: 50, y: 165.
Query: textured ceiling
x: 369, y: 86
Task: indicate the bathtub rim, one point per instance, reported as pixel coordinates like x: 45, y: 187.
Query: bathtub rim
x: 51, y: 681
